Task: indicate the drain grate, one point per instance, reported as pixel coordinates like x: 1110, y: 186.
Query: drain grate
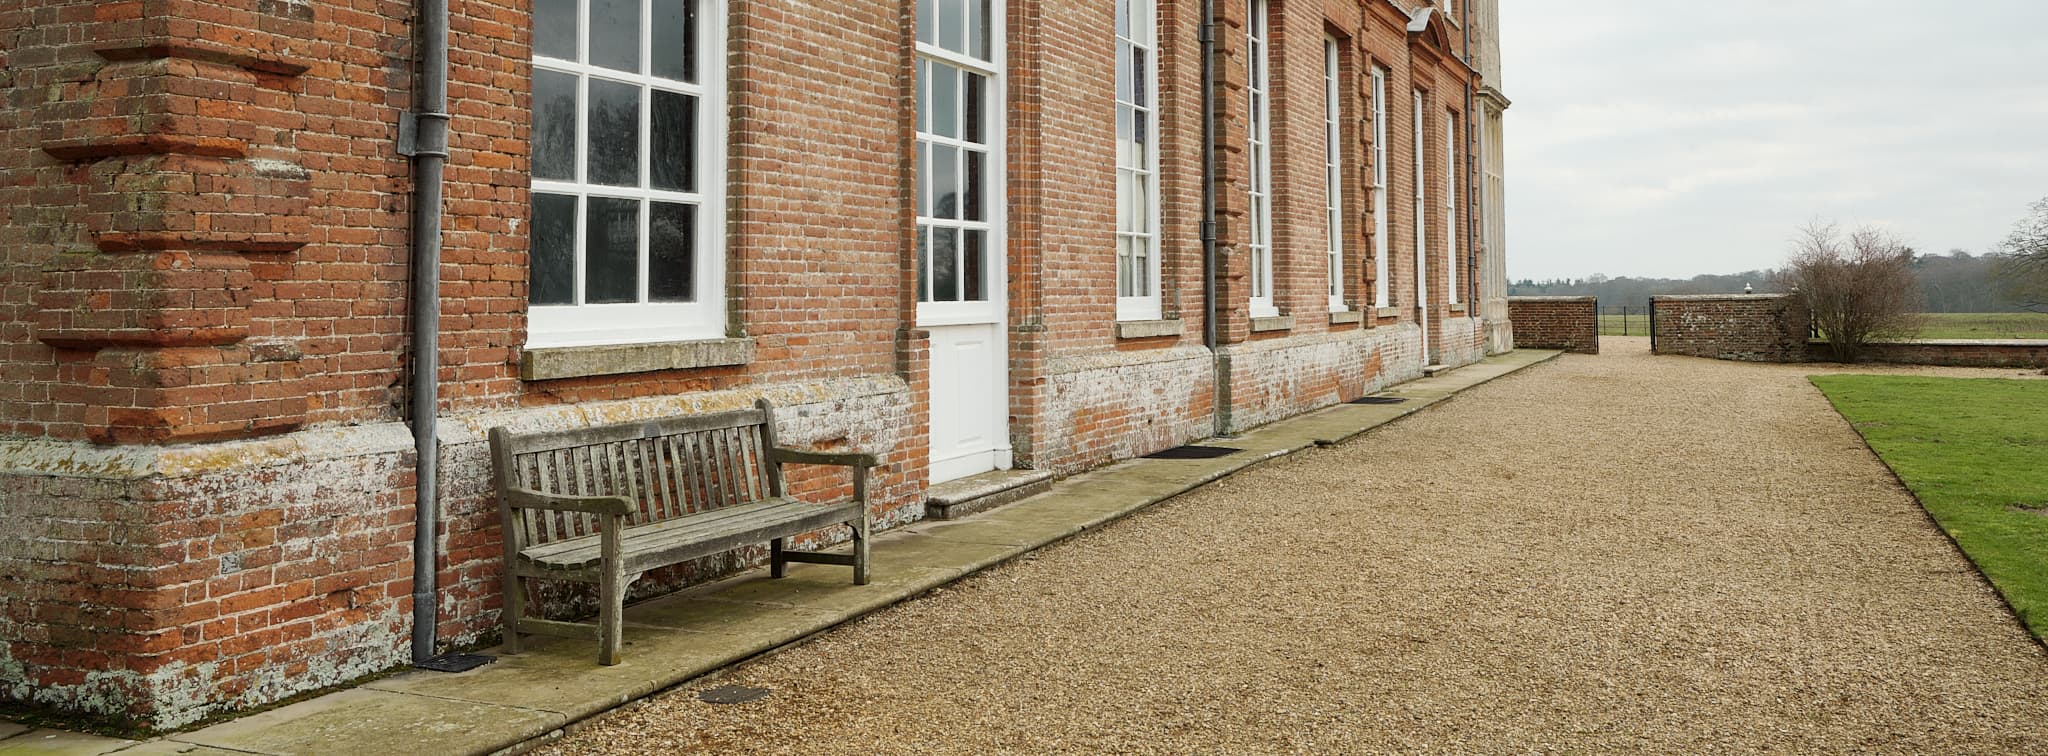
x: 456, y: 662
x: 731, y: 694
x: 1377, y: 400
x: 1193, y: 452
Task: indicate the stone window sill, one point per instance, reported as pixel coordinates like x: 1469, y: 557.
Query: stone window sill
x: 1388, y: 312
x: 1458, y: 308
x: 1147, y: 329
x: 619, y: 359
x: 1346, y: 316
x: 1275, y: 323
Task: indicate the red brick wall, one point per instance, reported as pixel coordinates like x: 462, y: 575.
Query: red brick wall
x: 1568, y: 323
x: 1750, y: 327
x: 203, y: 284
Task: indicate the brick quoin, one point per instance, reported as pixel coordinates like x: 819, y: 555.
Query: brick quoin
x: 204, y: 265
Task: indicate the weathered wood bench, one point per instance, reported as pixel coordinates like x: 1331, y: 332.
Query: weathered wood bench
x: 605, y: 504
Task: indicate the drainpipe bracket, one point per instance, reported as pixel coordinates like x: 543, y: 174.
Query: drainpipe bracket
x: 423, y: 134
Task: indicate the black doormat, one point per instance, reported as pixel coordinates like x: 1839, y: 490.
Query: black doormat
x: 731, y: 694
x: 1193, y: 452
x: 1377, y: 400
x: 456, y: 662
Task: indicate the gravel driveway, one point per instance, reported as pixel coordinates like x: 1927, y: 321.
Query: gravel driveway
x: 1613, y: 553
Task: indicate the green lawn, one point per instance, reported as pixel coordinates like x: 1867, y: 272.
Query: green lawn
x: 1984, y: 325
x: 1636, y: 323
x: 1975, y: 451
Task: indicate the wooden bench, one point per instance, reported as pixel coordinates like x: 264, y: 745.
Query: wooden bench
x: 605, y: 504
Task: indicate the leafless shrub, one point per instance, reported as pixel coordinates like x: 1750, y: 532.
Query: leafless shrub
x: 2023, y: 272
x: 1856, y: 288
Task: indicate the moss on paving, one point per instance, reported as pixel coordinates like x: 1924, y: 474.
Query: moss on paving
x: 1975, y: 452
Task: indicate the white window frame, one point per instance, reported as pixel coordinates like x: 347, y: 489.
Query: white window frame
x: 1333, y: 170
x: 1421, y: 204
x: 1144, y: 302
x: 645, y: 322
x: 1451, y: 207
x: 995, y: 178
x: 1258, y: 92
x: 1382, y: 254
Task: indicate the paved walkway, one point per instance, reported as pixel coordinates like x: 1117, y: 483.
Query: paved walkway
x: 532, y: 696
x: 1614, y: 553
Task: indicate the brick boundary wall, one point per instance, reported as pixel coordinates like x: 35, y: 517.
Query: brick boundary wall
x: 1996, y: 353
x: 1744, y: 327
x: 1568, y: 323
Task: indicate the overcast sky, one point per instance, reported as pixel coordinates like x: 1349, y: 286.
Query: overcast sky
x: 1678, y: 137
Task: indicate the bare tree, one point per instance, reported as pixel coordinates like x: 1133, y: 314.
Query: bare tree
x: 2024, y: 270
x: 1856, y: 288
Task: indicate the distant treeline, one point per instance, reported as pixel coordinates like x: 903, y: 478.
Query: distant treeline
x: 1954, y: 282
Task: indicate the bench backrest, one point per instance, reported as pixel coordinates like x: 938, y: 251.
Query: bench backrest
x: 669, y: 467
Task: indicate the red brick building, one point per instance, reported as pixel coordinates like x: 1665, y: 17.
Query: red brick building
x: 965, y: 235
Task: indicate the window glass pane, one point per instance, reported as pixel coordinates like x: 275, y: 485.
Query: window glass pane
x: 977, y: 241
x: 554, y: 28
x: 945, y: 182
x: 1123, y: 72
x: 1141, y: 140
x: 945, y: 100
x: 674, y: 142
x: 924, y: 179
x: 552, y: 262
x: 1123, y: 267
x: 977, y: 29
x: 952, y: 25
x: 974, y: 185
x: 614, y: 133
x: 1126, y: 147
x: 554, y: 125
x: 945, y: 274
x: 611, y: 250
x: 675, y: 39
x: 1141, y: 203
x: 671, y: 252
x: 924, y: 99
x: 1141, y: 70
x: 974, y: 103
x: 1125, y: 195
x: 1123, y: 18
x: 924, y: 264
x: 615, y: 34
x: 925, y: 23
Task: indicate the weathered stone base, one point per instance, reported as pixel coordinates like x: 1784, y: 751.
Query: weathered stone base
x: 160, y: 585
x: 1109, y: 406
x: 1460, y: 342
x: 1280, y: 378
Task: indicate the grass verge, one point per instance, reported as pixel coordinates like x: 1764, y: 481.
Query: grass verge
x: 1983, y: 325
x: 1972, y: 450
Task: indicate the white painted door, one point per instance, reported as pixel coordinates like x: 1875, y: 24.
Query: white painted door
x: 960, y: 240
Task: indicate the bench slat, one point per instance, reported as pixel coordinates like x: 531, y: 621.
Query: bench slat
x: 539, y: 441
x: 706, y: 533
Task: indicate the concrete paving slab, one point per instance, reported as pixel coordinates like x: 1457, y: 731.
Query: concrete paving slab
x: 11, y: 729
x: 1026, y: 532
x: 702, y: 615
x: 562, y: 675
x: 60, y: 743
x: 825, y: 588
x: 172, y: 748
x: 915, y: 550
x: 379, y: 722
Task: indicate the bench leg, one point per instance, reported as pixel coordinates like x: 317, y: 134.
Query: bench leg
x: 775, y: 561
x: 860, y: 549
x: 514, y: 609
x: 610, y: 617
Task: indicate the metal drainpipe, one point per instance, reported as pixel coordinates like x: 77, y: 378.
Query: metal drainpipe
x: 430, y: 154
x: 1470, y: 185
x: 1208, y: 227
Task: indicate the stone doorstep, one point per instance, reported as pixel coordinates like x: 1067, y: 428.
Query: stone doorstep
x: 953, y: 500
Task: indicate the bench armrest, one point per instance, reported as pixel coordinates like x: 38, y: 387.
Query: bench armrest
x: 527, y: 498
x: 782, y: 455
